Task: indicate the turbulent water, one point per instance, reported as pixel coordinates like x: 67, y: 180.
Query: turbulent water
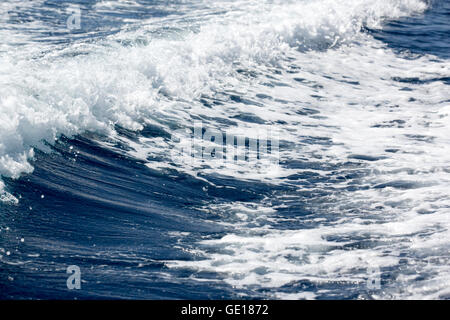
x: 356, y: 93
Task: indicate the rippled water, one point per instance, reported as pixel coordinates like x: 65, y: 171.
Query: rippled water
x: 355, y: 92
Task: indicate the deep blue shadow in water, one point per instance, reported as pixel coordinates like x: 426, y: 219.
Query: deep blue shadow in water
x: 109, y: 215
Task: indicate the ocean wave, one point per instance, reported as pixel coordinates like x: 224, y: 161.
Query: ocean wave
x: 360, y: 185
x: 98, y: 85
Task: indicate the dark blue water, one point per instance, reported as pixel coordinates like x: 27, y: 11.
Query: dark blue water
x: 121, y: 222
